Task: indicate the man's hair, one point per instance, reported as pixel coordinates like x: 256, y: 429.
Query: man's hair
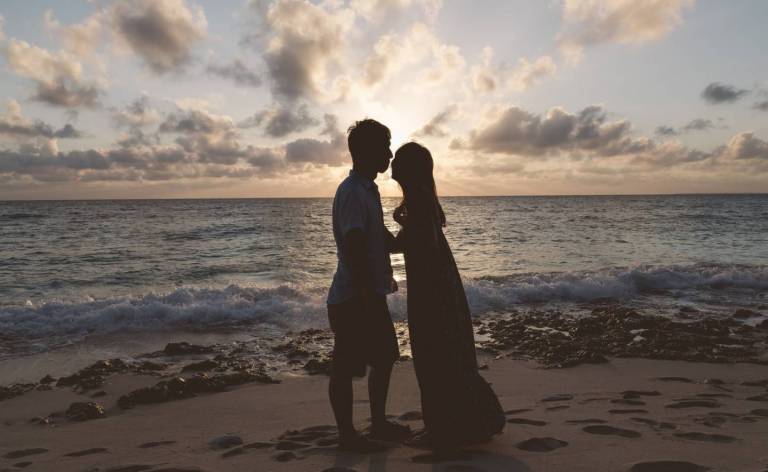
x: 364, y: 136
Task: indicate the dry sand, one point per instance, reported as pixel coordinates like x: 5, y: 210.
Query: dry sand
x: 585, y: 409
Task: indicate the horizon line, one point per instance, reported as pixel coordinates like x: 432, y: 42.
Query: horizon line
x: 441, y: 196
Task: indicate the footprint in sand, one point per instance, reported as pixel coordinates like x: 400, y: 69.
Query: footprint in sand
x: 147, y: 445
x: 623, y: 401
x: 541, y: 444
x: 675, y: 379
x: 514, y: 412
x: 559, y: 397
x: 526, y: 421
x: 610, y: 430
x: 654, y: 424
x: 629, y: 394
x: 586, y: 421
x: 668, y: 466
x: 86, y: 452
x: 627, y: 411
x: 695, y: 404
x: 696, y: 436
x: 24, y: 453
x: 557, y: 407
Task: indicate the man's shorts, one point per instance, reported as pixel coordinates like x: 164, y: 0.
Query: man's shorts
x: 363, y: 336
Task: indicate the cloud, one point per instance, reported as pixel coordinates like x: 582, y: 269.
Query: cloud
x: 716, y: 93
x: 137, y: 114
x: 519, y: 132
x: 236, y: 71
x: 380, y: 10
x: 697, y: 124
x: 331, y: 152
x: 528, y: 73
x: 746, y: 146
x: 281, y: 121
x: 483, y: 75
x: 212, y: 138
x: 591, y: 22
x: 418, y: 47
x: 435, y: 126
x: 13, y: 125
x: 762, y: 106
x: 58, y: 77
x: 80, y: 39
x: 303, y: 40
x: 162, y: 32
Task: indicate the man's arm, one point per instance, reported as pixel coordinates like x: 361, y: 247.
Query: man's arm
x: 354, y: 248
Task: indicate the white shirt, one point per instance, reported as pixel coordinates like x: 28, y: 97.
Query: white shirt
x: 357, y: 205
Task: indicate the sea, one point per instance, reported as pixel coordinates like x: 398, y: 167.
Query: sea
x: 107, y: 277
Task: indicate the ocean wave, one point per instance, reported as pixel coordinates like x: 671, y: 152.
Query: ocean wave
x: 299, y: 306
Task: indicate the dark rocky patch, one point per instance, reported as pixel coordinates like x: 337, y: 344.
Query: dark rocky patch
x: 202, y: 366
x: 714, y: 395
x: 320, y: 366
x: 744, y: 314
x: 541, y: 444
x: 179, y: 387
x: 184, y: 349
x: 24, y: 453
x: 696, y: 436
x: 610, y: 430
x: 526, y: 421
x: 610, y: 332
x: 22, y: 465
x: 15, y: 390
x: 84, y: 411
x: 86, y: 452
x: 668, y: 466
x: 675, y: 379
x: 258, y: 445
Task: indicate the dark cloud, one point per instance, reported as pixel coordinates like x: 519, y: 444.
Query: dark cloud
x: 161, y: 32
x: 281, y: 121
x: 70, y: 94
x: 332, y: 152
x: 697, y: 124
x: 519, y: 132
x: 302, y: 41
x: 762, y: 106
x: 722, y: 93
x: 435, y: 126
x: 137, y: 114
x: 38, y: 129
x: 237, y: 72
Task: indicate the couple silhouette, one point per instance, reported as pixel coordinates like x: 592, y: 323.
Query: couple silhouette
x: 459, y: 408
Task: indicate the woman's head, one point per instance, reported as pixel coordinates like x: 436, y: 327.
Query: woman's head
x: 413, y: 166
x: 412, y: 169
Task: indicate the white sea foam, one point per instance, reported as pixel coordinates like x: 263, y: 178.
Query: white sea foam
x: 297, y: 307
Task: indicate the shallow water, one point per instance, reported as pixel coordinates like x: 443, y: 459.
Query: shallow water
x: 72, y: 269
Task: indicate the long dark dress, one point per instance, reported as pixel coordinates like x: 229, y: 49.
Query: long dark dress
x: 458, y: 405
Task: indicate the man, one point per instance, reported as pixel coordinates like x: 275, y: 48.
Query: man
x: 357, y: 305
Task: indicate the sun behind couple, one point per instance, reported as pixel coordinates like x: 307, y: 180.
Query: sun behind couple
x: 458, y: 405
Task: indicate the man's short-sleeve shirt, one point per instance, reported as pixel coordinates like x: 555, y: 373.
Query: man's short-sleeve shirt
x: 357, y: 205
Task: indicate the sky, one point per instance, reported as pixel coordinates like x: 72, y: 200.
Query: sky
x: 234, y: 98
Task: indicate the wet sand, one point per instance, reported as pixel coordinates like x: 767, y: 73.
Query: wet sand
x: 623, y: 415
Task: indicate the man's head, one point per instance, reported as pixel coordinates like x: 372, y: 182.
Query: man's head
x: 369, y: 142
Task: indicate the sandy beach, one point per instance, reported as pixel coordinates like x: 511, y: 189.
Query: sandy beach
x: 623, y: 415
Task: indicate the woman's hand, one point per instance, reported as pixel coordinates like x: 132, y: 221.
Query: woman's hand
x: 400, y: 215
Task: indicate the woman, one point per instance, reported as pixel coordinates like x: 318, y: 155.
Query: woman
x: 458, y: 405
